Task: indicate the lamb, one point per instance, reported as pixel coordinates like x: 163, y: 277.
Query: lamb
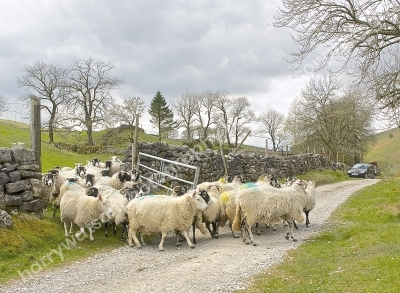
x: 83, y: 210
x: 267, y: 204
x: 163, y: 214
x: 116, y: 181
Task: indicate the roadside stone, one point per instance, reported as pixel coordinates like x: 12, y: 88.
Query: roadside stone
x: 5, y: 220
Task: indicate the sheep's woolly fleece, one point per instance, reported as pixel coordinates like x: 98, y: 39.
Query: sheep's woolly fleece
x: 215, y: 265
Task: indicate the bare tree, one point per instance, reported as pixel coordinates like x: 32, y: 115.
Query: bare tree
x: 206, y: 104
x: 3, y: 105
x: 272, y: 125
x: 185, y: 109
x: 364, y: 36
x: 329, y: 118
x: 48, y: 82
x: 222, y: 104
x: 240, y: 117
x: 126, y: 112
x: 91, y: 83
x: 357, y: 32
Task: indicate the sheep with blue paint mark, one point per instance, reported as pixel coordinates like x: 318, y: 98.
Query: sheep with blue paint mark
x: 267, y: 204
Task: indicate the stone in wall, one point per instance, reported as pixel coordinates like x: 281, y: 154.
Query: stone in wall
x: 21, y: 154
x: 21, y: 185
x: 5, y: 155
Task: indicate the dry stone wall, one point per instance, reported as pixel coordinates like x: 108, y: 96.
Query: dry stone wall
x: 249, y: 165
x: 20, y: 181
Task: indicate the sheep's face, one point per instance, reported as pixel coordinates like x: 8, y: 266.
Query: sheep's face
x: 105, y: 206
x: 48, y: 178
x: 92, y: 191
x: 89, y: 179
x: 106, y: 172
x: 200, y: 202
x: 204, y: 195
x: 108, y: 164
x: 179, y: 190
x: 124, y: 176
x: 96, y: 162
x: 80, y: 171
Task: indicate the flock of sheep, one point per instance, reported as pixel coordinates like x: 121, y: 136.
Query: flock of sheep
x: 101, y: 191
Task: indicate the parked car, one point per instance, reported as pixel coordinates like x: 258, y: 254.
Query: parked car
x: 362, y: 170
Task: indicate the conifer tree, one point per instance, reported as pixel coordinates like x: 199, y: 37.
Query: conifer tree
x: 162, y: 116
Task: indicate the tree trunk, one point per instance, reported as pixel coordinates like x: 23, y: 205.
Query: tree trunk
x: 89, y: 133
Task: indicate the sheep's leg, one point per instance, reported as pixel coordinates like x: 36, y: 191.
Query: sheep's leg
x: 70, y: 228
x: 258, y: 229
x: 233, y: 234
x: 106, y: 229
x: 186, y: 235
x: 114, y: 229
x: 215, y: 229
x: 161, y: 245
x: 194, y: 233
x: 209, y: 229
x: 66, y: 230
x: 250, y: 235
x: 80, y: 232
x: 141, y: 239
x: 54, y: 212
x: 295, y: 225
x: 124, y: 230
x: 177, y: 238
x: 90, y: 233
x: 289, y: 233
x: 307, y: 220
x: 132, y: 236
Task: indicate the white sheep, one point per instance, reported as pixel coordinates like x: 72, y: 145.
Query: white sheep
x: 228, y: 209
x: 310, y: 199
x: 116, y: 181
x: 163, y: 214
x: 211, y: 216
x: 49, y: 187
x: 85, y: 211
x: 267, y: 204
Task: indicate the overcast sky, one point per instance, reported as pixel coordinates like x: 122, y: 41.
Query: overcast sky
x: 170, y: 46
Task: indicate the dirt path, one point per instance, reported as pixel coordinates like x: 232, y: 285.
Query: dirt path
x: 215, y: 265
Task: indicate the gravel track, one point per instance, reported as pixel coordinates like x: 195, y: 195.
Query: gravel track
x: 215, y: 265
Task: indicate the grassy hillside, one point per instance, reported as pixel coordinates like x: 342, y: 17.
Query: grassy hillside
x: 386, y: 151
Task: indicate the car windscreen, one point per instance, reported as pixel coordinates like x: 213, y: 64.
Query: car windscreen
x: 360, y: 166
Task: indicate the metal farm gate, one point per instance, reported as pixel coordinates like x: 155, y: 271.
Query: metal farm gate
x: 160, y: 172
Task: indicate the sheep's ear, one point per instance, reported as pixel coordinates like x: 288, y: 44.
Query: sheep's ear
x: 209, y: 187
x: 219, y: 188
x: 100, y: 197
x: 194, y: 193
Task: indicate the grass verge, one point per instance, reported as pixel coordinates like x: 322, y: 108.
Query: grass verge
x: 35, y: 244
x: 358, y: 252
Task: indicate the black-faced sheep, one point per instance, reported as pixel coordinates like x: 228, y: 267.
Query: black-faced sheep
x: 163, y: 214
